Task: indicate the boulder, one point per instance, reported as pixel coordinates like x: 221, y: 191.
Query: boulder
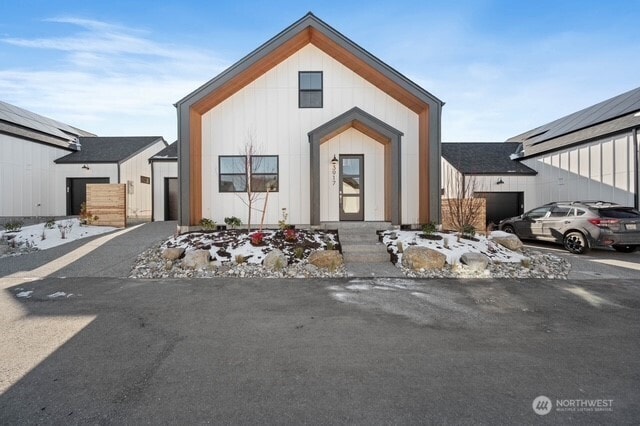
x: 416, y: 258
x: 475, y: 261
x: 510, y: 241
x: 172, y: 253
x: 326, y: 259
x: 196, y: 259
x: 275, y: 260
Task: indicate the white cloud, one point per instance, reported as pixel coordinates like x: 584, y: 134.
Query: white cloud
x: 110, y: 80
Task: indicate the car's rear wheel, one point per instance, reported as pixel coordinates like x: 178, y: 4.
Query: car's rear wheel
x: 509, y: 229
x: 622, y: 248
x: 576, y: 243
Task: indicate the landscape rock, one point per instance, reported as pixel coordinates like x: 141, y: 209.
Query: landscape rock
x: 475, y: 261
x: 196, y: 259
x: 417, y: 258
x: 326, y: 259
x: 275, y: 260
x: 172, y: 253
x: 510, y: 241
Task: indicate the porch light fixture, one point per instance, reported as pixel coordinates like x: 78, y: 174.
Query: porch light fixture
x: 334, y: 166
x: 500, y: 181
x: 85, y: 167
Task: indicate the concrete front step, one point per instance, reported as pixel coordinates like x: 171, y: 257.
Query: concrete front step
x: 374, y: 226
x: 368, y: 239
x: 364, y: 248
x: 377, y: 257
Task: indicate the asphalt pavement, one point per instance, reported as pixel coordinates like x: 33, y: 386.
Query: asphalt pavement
x: 362, y: 351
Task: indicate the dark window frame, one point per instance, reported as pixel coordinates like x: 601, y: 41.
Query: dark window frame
x: 244, y: 173
x: 301, y: 90
x: 241, y: 173
x: 277, y: 173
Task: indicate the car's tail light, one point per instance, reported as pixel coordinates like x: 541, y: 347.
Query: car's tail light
x: 606, y: 223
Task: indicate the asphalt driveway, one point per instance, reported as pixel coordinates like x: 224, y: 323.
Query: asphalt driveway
x: 314, y: 351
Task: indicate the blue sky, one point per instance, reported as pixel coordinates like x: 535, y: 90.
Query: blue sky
x: 502, y: 67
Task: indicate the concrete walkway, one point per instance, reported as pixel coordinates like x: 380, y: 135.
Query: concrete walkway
x: 364, y: 255
x: 110, y: 255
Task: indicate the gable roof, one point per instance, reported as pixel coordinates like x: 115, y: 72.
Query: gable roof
x: 485, y: 158
x: 311, y: 29
x: 109, y: 149
x: 19, y: 122
x: 609, y: 116
x: 169, y: 153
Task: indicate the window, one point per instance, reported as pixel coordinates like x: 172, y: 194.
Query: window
x: 264, y: 173
x: 310, y: 89
x: 538, y: 213
x: 560, y: 211
x: 233, y: 173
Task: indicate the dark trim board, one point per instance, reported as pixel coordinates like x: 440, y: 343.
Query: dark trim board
x: 375, y: 129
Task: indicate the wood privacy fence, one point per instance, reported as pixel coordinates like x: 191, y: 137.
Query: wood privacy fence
x: 477, y: 205
x: 108, y: 201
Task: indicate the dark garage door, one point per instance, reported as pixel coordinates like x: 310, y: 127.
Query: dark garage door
x: 170, y: 198
x: 77, y: 193
x: 501, y: 205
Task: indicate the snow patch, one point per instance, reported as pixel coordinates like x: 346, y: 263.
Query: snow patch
x: 25, y: 294
x: 59, y: 294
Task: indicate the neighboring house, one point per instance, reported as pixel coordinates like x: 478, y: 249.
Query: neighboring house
x: 45, y: 166
x: 164, y: 178
x: 303, y: 98
x: 111, y: 160
x: 485, y: 169
x: 588, y: 155
x: 29, y: 144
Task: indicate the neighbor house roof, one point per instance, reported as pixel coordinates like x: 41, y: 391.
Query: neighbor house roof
x: 114, y: 149
x: 485, y: 158
x: 607, y: 117
x: 19, y: 122
x: 169, y: 153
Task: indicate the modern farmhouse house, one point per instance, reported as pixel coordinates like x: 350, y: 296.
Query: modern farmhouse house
x: 45, y: 166
x: 591, y: 154
x: 337, y: 135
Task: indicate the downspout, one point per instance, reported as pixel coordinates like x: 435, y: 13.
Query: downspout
x: 636, y: 161
x: 153, y: 184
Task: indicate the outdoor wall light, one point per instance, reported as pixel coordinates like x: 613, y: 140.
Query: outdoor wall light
x: 500, y: 181
x: 85, y: 167
x: 334, y: 167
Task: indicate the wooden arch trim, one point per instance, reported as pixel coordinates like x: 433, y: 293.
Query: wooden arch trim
x: 374, y: 128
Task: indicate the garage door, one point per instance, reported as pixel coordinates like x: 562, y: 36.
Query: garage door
x: 77, y: 193
x: 501, y: 205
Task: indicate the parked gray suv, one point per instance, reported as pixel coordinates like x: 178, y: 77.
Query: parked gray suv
x: 579, y: 225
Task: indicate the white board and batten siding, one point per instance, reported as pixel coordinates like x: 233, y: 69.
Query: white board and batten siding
x: 451, y: 177
x: 26, y: 187
x: 161, y: 171
x: 267, y: 110
x: 600, y: 170
x: 139, y: 193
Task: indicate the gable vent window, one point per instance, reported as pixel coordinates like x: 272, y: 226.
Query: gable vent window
x: 310, y: 89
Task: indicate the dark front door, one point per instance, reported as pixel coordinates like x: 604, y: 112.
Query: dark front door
x: 77, y: 193
x: 352, y: 187
x: 502, y: 205
x: 170, y: 198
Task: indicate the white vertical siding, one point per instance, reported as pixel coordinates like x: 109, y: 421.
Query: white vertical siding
x: 268, y: 110
x: 605, y: 171
x: 63, y: 171
x: 139, y: 198
x: 161, y: 170
x: 26, y: 188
